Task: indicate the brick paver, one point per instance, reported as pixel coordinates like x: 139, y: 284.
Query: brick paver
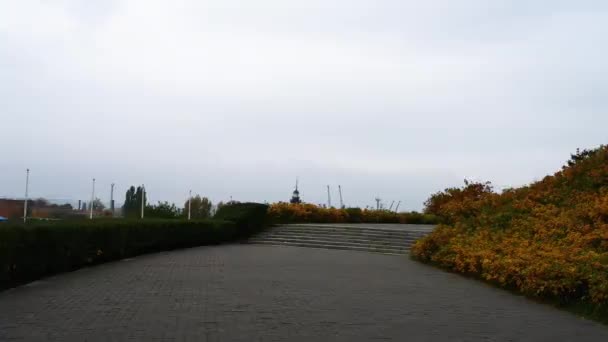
x: 267, y: 293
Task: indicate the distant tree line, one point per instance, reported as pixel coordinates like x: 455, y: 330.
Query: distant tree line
x: 200, y: 207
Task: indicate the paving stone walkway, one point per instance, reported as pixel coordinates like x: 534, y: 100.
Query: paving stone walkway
x: 268, y: 293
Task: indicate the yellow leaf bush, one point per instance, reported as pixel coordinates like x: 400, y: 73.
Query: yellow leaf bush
x: 548, y: 239
x: 310, y: 213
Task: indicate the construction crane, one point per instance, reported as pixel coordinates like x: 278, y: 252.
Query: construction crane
x: 397, y: 209
x: 391, y: 207
x: 341, y: 201
x: 328, y: 198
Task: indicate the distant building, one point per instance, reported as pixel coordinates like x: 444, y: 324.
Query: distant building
x: 36, y: 208
x: 11, y: 208
x: 55, y: 212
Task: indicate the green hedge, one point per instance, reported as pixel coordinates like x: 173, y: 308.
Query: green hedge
x: 39, y: 249
x: 250, y: 217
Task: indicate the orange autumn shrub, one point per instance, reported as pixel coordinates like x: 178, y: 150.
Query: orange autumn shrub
x: 310, y: 213
x: 548, y: 239
x: 303, y: 212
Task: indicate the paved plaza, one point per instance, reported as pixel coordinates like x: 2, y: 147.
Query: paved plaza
x: 276, y: 293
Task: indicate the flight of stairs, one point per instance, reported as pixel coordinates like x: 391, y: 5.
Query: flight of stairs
x: 386, y: 239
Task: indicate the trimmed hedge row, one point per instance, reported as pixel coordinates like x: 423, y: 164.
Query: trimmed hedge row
x: 38, y: 249
x: 250, y: 217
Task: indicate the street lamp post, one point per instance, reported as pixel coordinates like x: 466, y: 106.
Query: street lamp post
x: 143, y: 200
x: 27, y: 185
x: 189, y: 204
x: 92, y: 200
x: 112, y: 199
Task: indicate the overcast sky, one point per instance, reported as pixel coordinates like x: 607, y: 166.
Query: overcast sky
x: 389, y: 98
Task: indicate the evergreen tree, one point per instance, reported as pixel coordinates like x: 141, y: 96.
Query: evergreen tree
x: 129, y: 208
x: 140, y: 195
x: 133, y: 198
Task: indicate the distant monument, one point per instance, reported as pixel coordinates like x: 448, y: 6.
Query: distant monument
x: 295, y: 198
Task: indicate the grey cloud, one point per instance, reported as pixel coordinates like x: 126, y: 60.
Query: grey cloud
x: 232, y: 98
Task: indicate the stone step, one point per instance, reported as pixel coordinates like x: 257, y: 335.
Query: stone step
x: 395, y: 251
x: 388, y: 227
x: 347, y: 232
x: 389, y: 240
x: 352, y: 238
x: 365, y: 244
x: 379, y: 240
x: 405, y: 228
x: 343, y: 232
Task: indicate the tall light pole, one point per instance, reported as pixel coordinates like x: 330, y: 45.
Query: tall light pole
x: 328, y: 198
x: 189, y: 204
x: 92, y: 201
x: 143, y: 200
x: 27, y: 186
x: 341, y: 201
x: 112, y: 198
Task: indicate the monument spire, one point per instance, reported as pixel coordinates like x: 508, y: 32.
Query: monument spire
x: 295, y: 198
